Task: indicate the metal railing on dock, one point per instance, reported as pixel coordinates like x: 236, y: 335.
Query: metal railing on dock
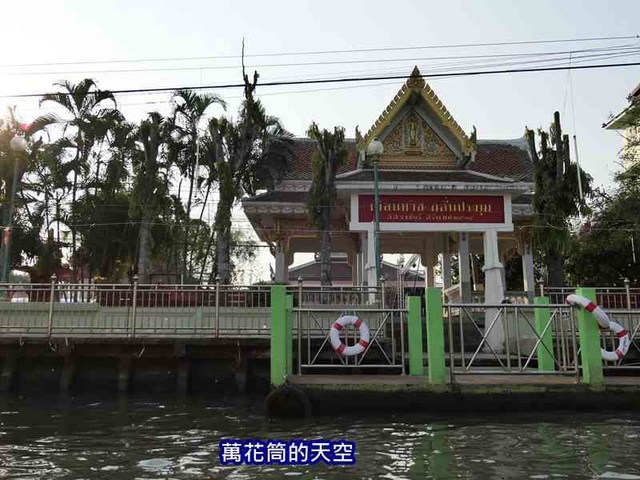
x: 386, y: 348
x: 511, y: 338
x: 134, y: 310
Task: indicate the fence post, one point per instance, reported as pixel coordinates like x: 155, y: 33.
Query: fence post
x: 278, y: 334
x: 289, y: 334
x: 435, y: 336
x: 545, y: 346
x: 416, y: 350
x: 627, y: 289
x: 217, y: 306
x: 134, y: 304
x: 590, y: 355
x: 51, y: 303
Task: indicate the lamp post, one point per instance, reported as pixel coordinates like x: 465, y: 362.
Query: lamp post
x: 375, y: 150
x: 17, y: 144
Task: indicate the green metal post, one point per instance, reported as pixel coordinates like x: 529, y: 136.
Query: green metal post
x: 435, y: 336
x: 289, y: 335
x: 376, y: 202
x: 545, y: 347
x: 278, y: 334
x: 416, y: 351
x: 590, y: 355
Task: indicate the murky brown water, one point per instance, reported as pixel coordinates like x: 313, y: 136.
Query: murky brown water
x: 57, y: 438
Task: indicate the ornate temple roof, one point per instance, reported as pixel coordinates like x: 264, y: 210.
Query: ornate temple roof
x: 415, y: 83
x: 509, y: 159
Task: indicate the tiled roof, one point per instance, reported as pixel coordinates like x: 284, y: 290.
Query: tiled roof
x: 508, y: 159
x: 303, y: 150
x: 503, y: 159
x: 420, y: 176
x: 341, y: 272
x: 280, y: 197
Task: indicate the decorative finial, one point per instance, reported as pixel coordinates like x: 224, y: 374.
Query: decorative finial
x: 416, y: 82
x: 358, y: 135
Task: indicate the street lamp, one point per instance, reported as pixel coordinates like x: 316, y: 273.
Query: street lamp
x: 375, y: 150
x: 17, y: 144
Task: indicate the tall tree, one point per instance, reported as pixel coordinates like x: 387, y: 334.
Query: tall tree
x: 186, y: 154
x: 557, y: 197
x: 86, y: 116
x: 250, y: 154
x: 150, y: 194
x: 331, y: 154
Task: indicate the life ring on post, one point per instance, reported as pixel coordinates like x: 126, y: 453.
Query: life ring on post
x: 338, y: 326
x: 624, y: 341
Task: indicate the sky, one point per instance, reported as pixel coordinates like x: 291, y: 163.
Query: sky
x: 118, y: 34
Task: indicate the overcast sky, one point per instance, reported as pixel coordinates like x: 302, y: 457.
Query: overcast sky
x: 500, y: 106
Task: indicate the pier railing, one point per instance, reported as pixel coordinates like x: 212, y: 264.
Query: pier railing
x: 138, y: 310
x: 386, y: 348
x: 511, y: 338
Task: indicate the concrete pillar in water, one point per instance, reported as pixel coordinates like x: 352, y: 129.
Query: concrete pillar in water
x: 182, y: 377
x: 124, y: 373
x: 68, y: 372
x: 9, y: 367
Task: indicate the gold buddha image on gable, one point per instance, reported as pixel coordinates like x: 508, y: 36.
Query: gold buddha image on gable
x: 413, y: 136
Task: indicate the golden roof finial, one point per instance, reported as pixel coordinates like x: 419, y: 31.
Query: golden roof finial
x: 416, y: 82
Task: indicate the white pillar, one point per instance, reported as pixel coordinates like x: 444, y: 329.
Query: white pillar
x: 428, y: 258
x: 446, y: 270
x: 282, y: 265
x: 463, y: 267
x: 372, y: 281
x: 527, y: 272
x: 493, y: 290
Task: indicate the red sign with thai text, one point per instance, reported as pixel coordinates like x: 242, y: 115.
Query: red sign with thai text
x: 433, y: 208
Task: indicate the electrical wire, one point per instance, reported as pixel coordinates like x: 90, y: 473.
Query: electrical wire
x: 350, y: 79
x: 334, y: 52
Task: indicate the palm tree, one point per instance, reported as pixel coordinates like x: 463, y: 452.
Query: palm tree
x: 86, y: 115
x: 150, y: 194
x: 331, y: 155
x: 184, y: 151
x: 249, y: 154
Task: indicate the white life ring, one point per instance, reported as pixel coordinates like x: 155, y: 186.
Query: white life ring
x: 338, y: 326
x: 624, y: 340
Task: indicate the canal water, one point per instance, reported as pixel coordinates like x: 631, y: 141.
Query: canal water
x: 164, y: 438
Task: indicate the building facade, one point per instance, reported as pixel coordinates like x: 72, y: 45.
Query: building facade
x: 627, y: 123
x: 442, y: 192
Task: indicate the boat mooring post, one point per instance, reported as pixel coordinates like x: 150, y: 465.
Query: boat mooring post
x: 278, y: 334
x: 416, y: 351
x: 589, y: 334
x: 435, y: 336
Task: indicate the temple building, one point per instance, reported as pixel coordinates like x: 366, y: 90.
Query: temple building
x: 626, y: 122
x: 442, y: 192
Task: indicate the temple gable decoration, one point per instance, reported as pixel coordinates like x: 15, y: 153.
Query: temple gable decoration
x: 417, y: 124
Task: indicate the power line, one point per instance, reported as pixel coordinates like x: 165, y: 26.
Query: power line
x: 328, y: 52
x: 328, y: 62
x: 348, y: 79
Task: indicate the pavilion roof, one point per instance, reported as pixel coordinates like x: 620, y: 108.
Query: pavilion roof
x: 509, y: 159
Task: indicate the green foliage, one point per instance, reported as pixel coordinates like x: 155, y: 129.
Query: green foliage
x: 331, y: 154
x: 557, y: 197
x: 98, y: 185
x: 603, y: 250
